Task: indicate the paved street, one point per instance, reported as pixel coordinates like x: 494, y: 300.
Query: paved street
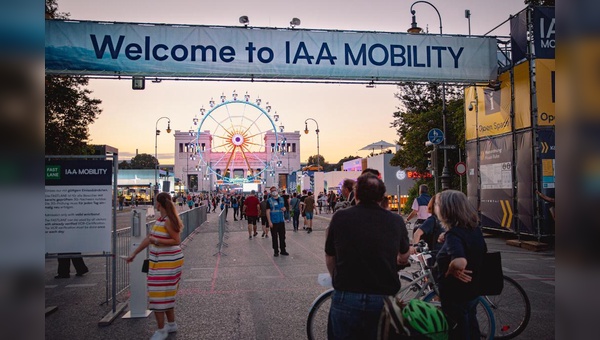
x: 246, y: 293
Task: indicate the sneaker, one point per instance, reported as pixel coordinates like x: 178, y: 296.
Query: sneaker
x: 309, y: 231
x: 160, y: 334
x: 263, y: 235
x: 82, y: 273
x: 276, y: 254
x: 284, y: 253
x: 250, y: 237
x: 266, y: 236
x: 171, y: 327
x: 62, y: 276
x: 255, y: 233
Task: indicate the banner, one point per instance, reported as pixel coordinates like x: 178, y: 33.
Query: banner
x: 78, y: 209
x: 546, y: 94
x: 544, y: 32
x: 518, y: 36
x: 102, y: 48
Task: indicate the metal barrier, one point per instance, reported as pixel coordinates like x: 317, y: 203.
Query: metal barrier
x: 222, y: 230
x: 116, y: 285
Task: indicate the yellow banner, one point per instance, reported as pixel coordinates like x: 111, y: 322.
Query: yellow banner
x: 545, y: 71
x: 522, y: 97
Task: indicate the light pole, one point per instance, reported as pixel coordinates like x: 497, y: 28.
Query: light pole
x: 416, y: 29
x: 317, y: 131
x: 157, y: 132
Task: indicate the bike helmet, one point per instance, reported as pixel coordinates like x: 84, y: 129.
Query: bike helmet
x: 425, y: 318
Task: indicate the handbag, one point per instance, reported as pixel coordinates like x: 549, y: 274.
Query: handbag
x: 491, y: 278
x: 145, y: 266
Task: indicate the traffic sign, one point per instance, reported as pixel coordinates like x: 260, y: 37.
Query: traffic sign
x: 460, y: 168
x: 447, y: 147
x: 435, y: 136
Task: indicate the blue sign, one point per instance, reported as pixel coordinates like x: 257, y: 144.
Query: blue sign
x: 435, y: 136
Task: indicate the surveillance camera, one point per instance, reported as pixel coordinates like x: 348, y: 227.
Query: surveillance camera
x: 470, y: 107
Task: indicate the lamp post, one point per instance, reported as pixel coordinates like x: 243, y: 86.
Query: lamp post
x: 157, y: 132
x: 416, y: 29
x: 317, y: 131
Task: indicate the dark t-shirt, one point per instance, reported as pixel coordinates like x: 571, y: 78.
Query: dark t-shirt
x: 431, y: 231
x: 251, y: 204
x: 286, y: 202
x: 460, y: 242
x: 365, y: 240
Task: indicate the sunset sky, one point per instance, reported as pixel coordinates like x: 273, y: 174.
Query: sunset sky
x: 349, y: 116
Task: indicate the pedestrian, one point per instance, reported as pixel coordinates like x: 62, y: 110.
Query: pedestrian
x: 263, y: 216
x: 64, y: 266
x: 295, y: 211
x: 252, y: 209
x: 214, y: 204
x: 121, y: 201
x: 226, y: 203
x: 165, y: 265
x: 286, y: 202
x: 242, y: 210
x: 309, y: 210
x: 364, y: 245
x: 419, y: 206
x: 275, y: 210
x: 459, y: 261
x: 190, y: 204
x: 302, y: 198
x: 236, y: 207
x: 347, y: 195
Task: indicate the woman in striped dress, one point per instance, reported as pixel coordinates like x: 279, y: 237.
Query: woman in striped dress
x: 166, y: 262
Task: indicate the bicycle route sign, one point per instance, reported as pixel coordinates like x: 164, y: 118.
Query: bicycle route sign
x: 435, y: 136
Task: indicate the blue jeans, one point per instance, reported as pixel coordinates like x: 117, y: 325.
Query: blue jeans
x: 354, y: 315
x: 296, y: 219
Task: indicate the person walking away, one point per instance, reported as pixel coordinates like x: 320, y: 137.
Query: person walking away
x: 226, y: 204
x: 190, y: 204
x: 165, y: 265
x: 295, y: 207
x: 302, y: 198
x: 364, y: 245
x: 275, y: 209
x: 252, y: 209
x: 236, y: 207
x: 309, y: 210
x: 286, y: 203
x: 242, y: 210
x: 459, y: 261
x: 263, y: 216
x: 419, y: 206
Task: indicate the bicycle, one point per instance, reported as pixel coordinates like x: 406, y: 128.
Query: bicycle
x: 511, y: 308
x: 316, y: 325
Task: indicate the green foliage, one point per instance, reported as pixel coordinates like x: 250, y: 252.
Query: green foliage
x: 69, y: 109
x: 312, y: 160
x: 540, y: 2
x: 124, y: 165
x: 69, y: 112
x: 340, y: 163
x: 420, y: 111
x: 143, y: 161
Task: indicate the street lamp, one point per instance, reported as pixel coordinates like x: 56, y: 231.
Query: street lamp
x: 317, y: 131
x: 157, y: 132
x: 416, y: 29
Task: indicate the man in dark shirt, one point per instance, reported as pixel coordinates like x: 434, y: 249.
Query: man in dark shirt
x: 364, y: 245
x: 286, y: 203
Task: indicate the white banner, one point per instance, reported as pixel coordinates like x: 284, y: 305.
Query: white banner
x: 95, y: 48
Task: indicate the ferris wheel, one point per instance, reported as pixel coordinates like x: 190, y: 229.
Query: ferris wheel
x: 237, y: 140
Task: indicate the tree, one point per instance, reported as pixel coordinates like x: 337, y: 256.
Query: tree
x: 312, y: 160
x: 143, y: 161
x: 124, y: 165
x: 420, y: 111
x: 540, y: 2
x: 69, y: 109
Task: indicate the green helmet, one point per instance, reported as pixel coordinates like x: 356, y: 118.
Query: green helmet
x: 424, y: 317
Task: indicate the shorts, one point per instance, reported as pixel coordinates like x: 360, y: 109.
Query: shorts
x: 263, y: 220
x: 309, y: 215
x: 252, y: 219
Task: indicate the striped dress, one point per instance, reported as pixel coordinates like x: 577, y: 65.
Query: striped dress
x: 164, y: 270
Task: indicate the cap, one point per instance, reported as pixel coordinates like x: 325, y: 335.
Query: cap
x: 253, y: 192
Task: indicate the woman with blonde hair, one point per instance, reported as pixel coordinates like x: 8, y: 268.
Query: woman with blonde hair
x: 165, y: 264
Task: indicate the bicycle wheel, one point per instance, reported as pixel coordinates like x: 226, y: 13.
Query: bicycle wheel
x: 405, y: 280
x: 316, y: 325
x: 485, y: 316
x: 511, y: 308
